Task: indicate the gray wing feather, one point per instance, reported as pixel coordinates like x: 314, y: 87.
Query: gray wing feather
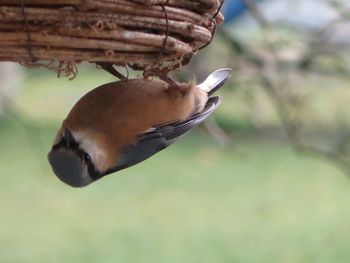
x: 161, y: 137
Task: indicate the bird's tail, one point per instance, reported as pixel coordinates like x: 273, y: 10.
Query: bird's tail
x: 215, y: 80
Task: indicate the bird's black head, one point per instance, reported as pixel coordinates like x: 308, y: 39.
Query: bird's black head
x: 71, y: 164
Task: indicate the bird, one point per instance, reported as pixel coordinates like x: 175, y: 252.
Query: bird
x: 122, y: 123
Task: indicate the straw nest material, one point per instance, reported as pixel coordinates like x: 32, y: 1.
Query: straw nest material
x: 149, y: 35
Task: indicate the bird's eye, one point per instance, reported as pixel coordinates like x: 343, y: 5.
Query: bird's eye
x: 87, y: 158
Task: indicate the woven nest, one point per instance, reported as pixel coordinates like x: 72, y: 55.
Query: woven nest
x: 149, y: 35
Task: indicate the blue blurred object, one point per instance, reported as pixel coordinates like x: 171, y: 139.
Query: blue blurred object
x: 232, y: 9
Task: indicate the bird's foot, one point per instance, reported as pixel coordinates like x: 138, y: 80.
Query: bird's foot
x: 174, y: 88
x: 111, y: 69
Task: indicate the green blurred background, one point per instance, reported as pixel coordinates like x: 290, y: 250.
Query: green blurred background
x: 252, y: 200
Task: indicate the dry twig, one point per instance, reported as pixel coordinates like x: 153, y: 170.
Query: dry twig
x: 146, y: 34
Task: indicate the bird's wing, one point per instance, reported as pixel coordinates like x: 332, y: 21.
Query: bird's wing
x: 161, y: 137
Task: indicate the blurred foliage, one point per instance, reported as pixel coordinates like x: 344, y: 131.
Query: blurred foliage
x: 291, y: 78
x: 254, y: 200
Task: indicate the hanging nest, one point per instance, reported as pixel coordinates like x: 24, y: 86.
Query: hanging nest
x: 149, y: 35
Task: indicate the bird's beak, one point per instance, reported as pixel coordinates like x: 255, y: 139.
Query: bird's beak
x: 69, y: 168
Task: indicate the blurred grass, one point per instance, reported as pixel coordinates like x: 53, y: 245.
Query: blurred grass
x: 195, y: 202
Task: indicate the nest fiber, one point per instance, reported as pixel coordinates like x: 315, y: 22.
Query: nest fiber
x: 148, y: 35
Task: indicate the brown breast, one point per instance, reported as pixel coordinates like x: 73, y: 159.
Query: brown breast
x: 117, y: 112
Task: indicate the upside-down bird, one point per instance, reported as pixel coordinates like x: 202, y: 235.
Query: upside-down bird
x: 122, y: 123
